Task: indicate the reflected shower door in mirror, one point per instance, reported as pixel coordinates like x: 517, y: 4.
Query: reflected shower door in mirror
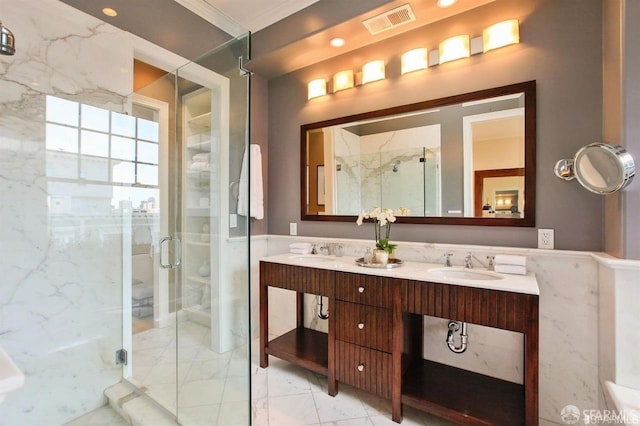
x: 428, y: 157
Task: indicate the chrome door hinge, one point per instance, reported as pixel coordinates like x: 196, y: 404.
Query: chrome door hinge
x: 243, y: 67
x: 121, y: 357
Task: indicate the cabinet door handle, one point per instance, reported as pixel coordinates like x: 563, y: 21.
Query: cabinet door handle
x: 360, y: 289
x: 360, y: 367
x: 360, y: 325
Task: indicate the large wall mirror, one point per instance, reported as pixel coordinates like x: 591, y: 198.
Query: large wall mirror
x: 467, y: 159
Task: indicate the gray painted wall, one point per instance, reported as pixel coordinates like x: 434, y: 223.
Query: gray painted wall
x: 259, y: 134
x: 560, y: 49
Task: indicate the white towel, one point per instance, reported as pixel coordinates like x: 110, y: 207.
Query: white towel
x: 202, y: 157
x: 511, y: 269
x: 510, y: 259
x: 253, y: 179
x: 200, y: 166
x: 306, y: 246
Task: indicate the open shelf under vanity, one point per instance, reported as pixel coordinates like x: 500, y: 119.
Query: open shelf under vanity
x: 461, y: 396
x: 304, y: 347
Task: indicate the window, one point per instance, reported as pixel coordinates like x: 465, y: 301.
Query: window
x: 100, y: 146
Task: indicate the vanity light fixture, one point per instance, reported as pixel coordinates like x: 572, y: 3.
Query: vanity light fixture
x: 501, y: 34
x: 373, y: 71
x: 453, y: 48
x: 498, y: 35
x: 316, y: 88
x: 343, y: 80
x: 414, y: 60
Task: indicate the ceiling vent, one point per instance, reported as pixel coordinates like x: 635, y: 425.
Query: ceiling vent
x: 390, y: 19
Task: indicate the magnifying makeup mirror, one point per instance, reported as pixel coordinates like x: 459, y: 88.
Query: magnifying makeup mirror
x: 601, y: 168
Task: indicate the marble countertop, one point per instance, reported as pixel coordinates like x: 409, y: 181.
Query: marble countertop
x: 419, y: 271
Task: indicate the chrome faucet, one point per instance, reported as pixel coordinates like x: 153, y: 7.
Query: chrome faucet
x: 491, y: 265
x: 324, y: 249
x: 447, y: 259
x: 468, y: 261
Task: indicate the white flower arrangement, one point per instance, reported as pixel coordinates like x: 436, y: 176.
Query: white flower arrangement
x: 382, y: 218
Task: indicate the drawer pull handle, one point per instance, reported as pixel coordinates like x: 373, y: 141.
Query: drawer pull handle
x: 360, y: 289
x: 360, y: 367
x: 360, y: 325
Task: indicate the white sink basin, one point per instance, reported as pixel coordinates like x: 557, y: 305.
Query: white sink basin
x: 465, y: 274
x: 312, y: 257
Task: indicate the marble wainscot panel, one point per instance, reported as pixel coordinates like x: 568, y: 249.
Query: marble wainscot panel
x: 619, y: 322
x: 231, y: 295
x: 61, y: 289
x: 568, y: 283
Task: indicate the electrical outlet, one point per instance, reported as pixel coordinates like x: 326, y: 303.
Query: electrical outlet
x: 233, y: 220
x: 293, y: 228
x: 545, y: 238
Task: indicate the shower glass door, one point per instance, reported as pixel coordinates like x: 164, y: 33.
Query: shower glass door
x: 189, y: 339
x: 149, y: 290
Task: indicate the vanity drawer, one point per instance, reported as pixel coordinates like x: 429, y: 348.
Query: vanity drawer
x: 297, y: 278
x: 368, y: 326
x: 366, y: 289
x: 364, y: 368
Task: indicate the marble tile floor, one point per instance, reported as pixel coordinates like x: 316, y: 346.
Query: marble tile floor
x: 213, y: 387
x: 103, y: 416
x: 285, y: 394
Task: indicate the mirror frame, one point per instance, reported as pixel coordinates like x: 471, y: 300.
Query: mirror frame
x: 529, y: 90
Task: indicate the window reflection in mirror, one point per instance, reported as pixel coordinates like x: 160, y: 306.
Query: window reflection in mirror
x: 427, y: 157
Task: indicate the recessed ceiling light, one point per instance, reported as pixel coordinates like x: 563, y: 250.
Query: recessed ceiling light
x: 109, y: 12
x: 446, y: 3
x: 337, y: 42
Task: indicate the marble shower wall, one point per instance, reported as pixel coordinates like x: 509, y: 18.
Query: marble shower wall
x: 382, y: 169
x: 568, y: 284
x: 60, y: 296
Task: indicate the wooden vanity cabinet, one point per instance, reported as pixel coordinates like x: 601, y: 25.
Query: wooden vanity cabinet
x: 375, y: 342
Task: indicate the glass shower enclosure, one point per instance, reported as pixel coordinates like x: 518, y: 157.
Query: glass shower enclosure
x: 119, y: 232
x: 185, y: 249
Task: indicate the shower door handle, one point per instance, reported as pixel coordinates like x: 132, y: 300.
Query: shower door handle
x: 178, y: 252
